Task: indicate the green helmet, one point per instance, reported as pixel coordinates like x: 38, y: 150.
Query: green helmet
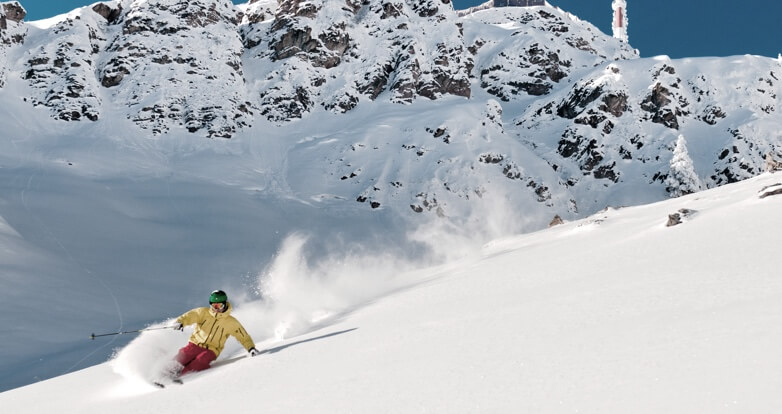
x: 218, y: 296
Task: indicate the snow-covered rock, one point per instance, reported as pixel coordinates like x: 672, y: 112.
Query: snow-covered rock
x: 619, y: 123
x: 177, y: 64
x: 526, y: 101
x: 530, y: 50
x: 254, y: 13
x: 12, y: 32
x: 11, y: 28
x: 335, y: 53
x: 61, y: 69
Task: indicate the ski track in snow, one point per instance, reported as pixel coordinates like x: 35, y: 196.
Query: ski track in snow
x: 73, y: 260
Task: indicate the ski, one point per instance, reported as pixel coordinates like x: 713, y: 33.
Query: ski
x: 168, y: 374
x: 160, y: 384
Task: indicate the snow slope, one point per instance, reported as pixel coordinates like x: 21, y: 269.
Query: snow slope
x: 613, y: 313
x: 117, y: 212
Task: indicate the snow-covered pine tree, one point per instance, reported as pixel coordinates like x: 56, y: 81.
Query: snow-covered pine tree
x: 682, y: 179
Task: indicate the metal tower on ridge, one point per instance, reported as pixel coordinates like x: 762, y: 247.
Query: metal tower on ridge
x: 620, y: 19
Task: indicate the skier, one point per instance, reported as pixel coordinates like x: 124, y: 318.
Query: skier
x: 214, y: 324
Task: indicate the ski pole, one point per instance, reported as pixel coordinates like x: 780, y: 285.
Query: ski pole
x: 93, y: 336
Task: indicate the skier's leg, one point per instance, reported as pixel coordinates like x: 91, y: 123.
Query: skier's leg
x: 200, y: 363
x: 172, y: 368
x: 188, y: 353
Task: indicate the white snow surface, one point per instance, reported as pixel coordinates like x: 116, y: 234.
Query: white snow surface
x: 613, y: 313
x: 324, y: 226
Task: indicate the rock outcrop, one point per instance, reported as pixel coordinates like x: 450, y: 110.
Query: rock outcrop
x: 772, y: 163
x: 62, y: 73
x: 772, y: 190
x: 177, y: 64
x: 12, y: 32
x: 679, y: 217
x: 541, y: 47
x: 607, y: 126
x: 320, y: 49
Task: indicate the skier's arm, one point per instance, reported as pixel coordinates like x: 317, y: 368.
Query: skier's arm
x: 243, y: 337
x: 190, y: 317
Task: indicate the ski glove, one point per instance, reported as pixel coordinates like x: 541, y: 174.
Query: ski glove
x: 253, y: 351
x: 179, y: 327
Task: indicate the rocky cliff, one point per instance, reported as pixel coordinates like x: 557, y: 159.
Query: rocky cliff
x: 622, y: 118
x: 212, y: 68
x: 530, y: 105
x: 12, y: 32
x: 333, y: 54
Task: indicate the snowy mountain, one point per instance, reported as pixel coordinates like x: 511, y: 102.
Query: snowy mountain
x: 620, y: 123
x: 153, y: 59
x: 638, y: 317
x: 543, y: 87
x: 177, y: 144
x: 334, y: 54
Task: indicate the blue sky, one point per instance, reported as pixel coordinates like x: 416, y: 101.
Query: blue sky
x: 676, y: 28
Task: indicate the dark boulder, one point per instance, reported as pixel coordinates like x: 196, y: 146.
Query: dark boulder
x: 110, y: 14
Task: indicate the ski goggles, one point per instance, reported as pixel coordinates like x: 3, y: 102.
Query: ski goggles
x: 218, y: 306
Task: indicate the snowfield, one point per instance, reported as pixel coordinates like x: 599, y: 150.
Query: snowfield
x: 371, y: 182
x: 612, y: 313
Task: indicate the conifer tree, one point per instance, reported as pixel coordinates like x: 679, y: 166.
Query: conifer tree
x: 682, y: 179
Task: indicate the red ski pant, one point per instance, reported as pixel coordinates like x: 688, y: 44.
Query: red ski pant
x: 194, y: 358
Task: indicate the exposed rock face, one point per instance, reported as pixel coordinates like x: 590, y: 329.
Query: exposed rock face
x: 578, y: 100
x: 293, y: 35
x: 62, y: 72
x: 523, y: 65
x: 656, y: 103
x: 11, y: 11
x: 772, y: 190
x: 12, y: 32
x: 110, y: 14
x: 607, y: 127
x: 305, y: 54
x: 312, y: 41
x: 772, y: 164
x: 258, y: 11
x: 679, y: 217
x: 177, y: 63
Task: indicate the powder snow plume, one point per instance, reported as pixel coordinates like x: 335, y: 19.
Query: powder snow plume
x: 300, y: 292
x: 298, y: 295
x: 150, y: 354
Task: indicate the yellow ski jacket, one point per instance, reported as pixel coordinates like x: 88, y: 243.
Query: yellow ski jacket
x: 213, y: 328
